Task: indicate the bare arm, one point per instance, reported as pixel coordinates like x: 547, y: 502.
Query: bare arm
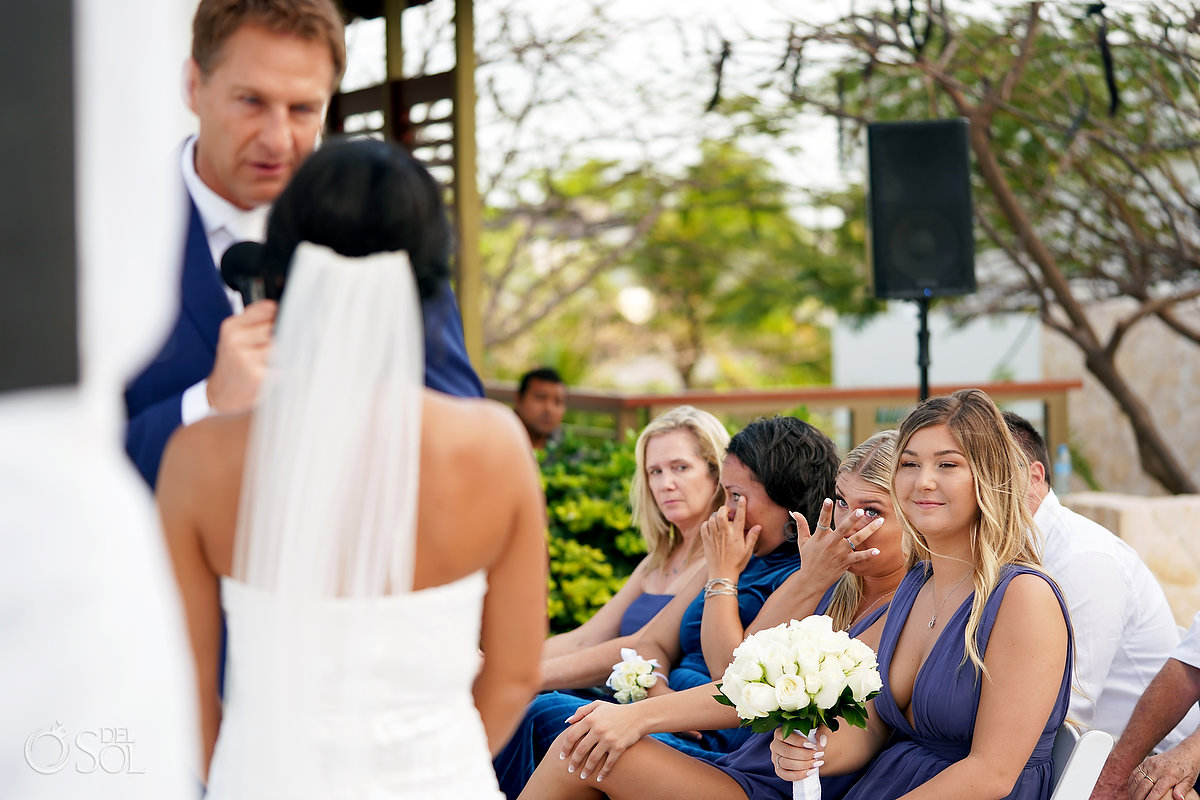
x: 1166, y: 700
x: 601, y: 731
x: 199, y: 585
x: 605, y: 624
x: 728, y: 547
x: 514, y: 610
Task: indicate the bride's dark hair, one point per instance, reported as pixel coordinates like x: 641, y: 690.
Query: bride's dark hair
x: 358, y: 197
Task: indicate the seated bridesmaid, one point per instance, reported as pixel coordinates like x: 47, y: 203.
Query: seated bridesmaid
x: 676, y: 487
x: 803, y: 464
x: 606, y: 750
x: 976, y: 652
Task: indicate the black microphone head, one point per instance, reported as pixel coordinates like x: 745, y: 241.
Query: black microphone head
x: 242, y: 270
x: 242, y: 260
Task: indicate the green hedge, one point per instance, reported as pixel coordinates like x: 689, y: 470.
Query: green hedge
x: 592, y: 541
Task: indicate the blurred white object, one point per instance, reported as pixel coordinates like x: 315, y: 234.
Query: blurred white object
x: 95, y: 673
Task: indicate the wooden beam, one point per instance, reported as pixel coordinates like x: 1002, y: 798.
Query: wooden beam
x: 468, y: 209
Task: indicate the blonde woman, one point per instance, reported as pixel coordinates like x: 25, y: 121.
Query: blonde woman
x: 676, y: 487
x: 976, y: 652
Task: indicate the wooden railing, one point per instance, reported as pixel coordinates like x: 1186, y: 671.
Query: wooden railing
x: 870, y: 409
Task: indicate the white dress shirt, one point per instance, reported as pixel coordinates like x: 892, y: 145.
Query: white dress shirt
x: 224, y: 225
x: 1188, y: 650
x: 1124, y: 629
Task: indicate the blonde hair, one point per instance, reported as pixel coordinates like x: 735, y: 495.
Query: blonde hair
x: 711, y: 440
x: 1001, y: 532
x: 872, y: 461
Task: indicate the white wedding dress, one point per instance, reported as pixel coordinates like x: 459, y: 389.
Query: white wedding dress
x: 342, y: 682
x: 419, y: 736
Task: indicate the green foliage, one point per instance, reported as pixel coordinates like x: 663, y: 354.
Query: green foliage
x: 592, y: 542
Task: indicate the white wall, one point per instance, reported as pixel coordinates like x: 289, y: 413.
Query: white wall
x: 884, y: 351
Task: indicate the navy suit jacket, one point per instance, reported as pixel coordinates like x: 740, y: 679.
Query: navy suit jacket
x: 153, y: 398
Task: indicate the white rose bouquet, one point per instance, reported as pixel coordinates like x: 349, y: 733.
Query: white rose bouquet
x: 632, y: 676
x: 800, y: 675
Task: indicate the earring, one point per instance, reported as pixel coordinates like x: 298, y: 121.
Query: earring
x: 790, y: 531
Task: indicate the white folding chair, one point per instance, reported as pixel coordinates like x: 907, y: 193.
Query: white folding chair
x: 1078, y: 760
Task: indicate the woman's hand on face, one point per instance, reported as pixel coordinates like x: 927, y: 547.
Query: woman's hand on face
x: 728, y: 546
x: 600, y: 732
x: 825, y: 553
x: 795, y: 756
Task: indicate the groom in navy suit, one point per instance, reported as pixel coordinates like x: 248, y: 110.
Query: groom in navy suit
x: 259, y: 81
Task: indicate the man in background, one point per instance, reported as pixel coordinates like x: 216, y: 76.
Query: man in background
x: 540, y: 405
x: 1124, y: 629
x: 259, y: 81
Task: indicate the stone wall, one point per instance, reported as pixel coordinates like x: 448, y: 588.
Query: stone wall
x: 1164, y: 370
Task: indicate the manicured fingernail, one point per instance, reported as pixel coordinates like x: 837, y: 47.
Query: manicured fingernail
x: 562, y: 756
x: 818, y: 764
x: 808, y: 744
x: 858, y: 512
x: 570, y: 768
x: 812, y: 772
x: 874, y: 551
x: 823, y: 740
x: 583, y: 776
x: 599, y: 778
x: 819, y: 754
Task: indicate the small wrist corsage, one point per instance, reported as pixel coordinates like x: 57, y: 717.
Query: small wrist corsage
x: 632, y: 676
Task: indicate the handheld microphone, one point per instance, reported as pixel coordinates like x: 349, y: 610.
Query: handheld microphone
x: 242, y: 270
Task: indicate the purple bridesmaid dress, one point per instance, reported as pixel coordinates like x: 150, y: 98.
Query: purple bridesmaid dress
x: 945, y: 700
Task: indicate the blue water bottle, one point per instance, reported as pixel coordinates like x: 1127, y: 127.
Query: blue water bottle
x: 1062, y: 469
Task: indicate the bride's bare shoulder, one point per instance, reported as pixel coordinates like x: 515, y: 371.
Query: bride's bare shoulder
x: 207, y: 451
x: 484, y: 427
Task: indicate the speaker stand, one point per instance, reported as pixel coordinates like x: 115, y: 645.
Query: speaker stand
x: 923, y: 345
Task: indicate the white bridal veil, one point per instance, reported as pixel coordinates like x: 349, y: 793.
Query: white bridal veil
x: 326, y: 521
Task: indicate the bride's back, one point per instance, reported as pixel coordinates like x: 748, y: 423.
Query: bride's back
x: 475, y: 459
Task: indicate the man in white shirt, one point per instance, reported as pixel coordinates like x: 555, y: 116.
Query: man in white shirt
x: 1124, y: 630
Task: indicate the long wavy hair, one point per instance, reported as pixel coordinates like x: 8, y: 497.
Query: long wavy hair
x: 1000, y: 535
x: 711, y: 440
x: 872, y: 461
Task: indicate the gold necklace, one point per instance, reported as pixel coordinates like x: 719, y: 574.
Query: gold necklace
x: 868, y: 611
x: 938, y: 606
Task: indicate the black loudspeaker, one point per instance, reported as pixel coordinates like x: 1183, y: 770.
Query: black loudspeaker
x: 919, y: 209
x: 37, y: 197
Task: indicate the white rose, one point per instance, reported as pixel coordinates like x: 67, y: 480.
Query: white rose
x: 863, y: 682
x: 746, y: 669
x: 862, y: 653
x: 833, y: 681
x: 808, y: 660
x: 790, y: 693
x: 815, y: 625
x: 835, y: 642
x: 776, y: 660
x: 733, y: 688
x: 758, y: 700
